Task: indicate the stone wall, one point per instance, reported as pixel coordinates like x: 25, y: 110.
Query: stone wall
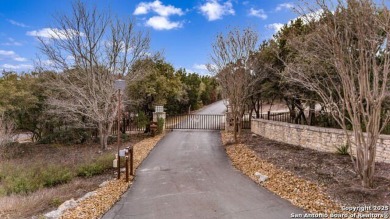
x: 321, y: 139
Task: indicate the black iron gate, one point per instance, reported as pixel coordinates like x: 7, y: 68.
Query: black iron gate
x: 196, y: 121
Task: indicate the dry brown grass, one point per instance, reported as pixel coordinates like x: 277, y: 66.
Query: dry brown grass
x: 106, y: 196
x: 22, y: 206
x: 30, y: 157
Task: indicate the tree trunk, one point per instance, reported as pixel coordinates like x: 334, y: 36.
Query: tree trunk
x: 103, y: 134
x: 234, y: 114
x: 311, y: 113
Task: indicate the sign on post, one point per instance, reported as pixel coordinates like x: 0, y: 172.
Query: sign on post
x: 122, y: 153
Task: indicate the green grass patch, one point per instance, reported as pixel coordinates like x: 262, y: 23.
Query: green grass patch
x: 25, y: 178
x: 22, y: 183
x: 56, y: 175
x: 96, y: 167
x: 55, y: 202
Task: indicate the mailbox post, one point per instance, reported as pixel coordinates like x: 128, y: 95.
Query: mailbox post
x: 120, y: 86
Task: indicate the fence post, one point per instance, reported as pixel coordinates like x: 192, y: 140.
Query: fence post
x: 268, y: 115
x: 131, y: 160
x: 159, y: 114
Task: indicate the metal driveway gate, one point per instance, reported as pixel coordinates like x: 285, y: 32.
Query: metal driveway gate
x: 196, y: 121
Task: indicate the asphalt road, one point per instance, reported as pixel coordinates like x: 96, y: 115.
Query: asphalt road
x: 215, y: 108
x: 188, y: 175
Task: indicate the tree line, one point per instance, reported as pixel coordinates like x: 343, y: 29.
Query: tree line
x: 25, y: 97
x: 333, y: 55
x: 177, y: 90
x: 73, y: 89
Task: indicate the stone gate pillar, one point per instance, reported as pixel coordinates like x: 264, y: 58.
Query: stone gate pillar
x: 159, y: 113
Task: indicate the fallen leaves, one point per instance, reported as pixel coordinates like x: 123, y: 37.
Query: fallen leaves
x: 106, y: 196
x: 298, y: 191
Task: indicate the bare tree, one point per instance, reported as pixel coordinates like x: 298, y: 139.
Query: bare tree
x: 231, y: 64
x: 6, y: 130
x: 89, y: 49
x: 346, y: 61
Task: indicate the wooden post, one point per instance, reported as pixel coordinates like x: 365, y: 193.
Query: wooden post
x: 131, y: 160
x: 119, y: 167
x: 119, y: 132
x: 127, y: 167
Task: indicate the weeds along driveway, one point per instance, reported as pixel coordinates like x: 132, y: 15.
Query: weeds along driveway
x: 188, y: 175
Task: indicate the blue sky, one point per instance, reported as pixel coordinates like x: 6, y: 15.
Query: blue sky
x: 183, y: 29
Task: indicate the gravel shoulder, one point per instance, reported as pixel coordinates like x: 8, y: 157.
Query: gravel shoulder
x: 109, y: 193
x: 316, y: 181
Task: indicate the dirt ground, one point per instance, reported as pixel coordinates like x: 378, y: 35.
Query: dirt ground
x: 333, y: 171
x: 46, y: 199
x: 106, y: 196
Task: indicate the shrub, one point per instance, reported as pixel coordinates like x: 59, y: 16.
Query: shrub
x: 24, y: 179
x: 55, y: 175
x: 88, y: 170
x: 12, y: 182
x: 125, y: 138
x: 110, y: 140
x: 69, y: 136
x: 160, y: 125
x: 55, y: 202
x: 96, y: 167
x: 343, y: 149
x: 3, y: 192
x: 24, y: 183
x: 142, y: 120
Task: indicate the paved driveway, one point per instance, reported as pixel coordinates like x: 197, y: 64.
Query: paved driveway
x: 188, y: 175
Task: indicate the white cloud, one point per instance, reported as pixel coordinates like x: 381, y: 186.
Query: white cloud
x: 313, y: 16
x: 53, y: 33
x: 275, y: 26
x: 17, y: 67
x: 11, y: 42
x: 19, y: 24
x: 45, y: 62
x: 284, y: 6
x: 20, y: 59
x: 157, y: 7
x: 258, y: 13
x: 309, y: 17
x: 162, y: 23
x: 201, y: 67
x: 213, y: 10
x: 9, y: 54
x: 142, y: 8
